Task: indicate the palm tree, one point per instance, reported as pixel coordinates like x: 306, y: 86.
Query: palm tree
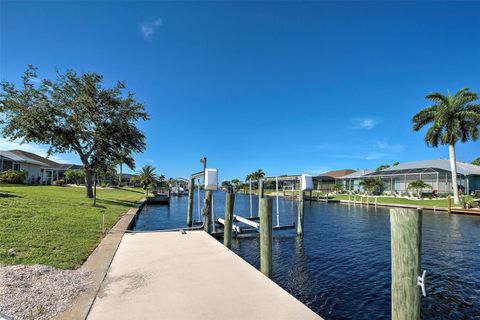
x: 147, y: 177
x: 452, y: 118
x: 418, y: 186
x: 259, y: 174
x: 371, y: 184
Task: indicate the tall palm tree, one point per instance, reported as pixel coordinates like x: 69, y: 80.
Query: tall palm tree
x: 147, y: 177
x: 452, y: 118
x: 259, y: 174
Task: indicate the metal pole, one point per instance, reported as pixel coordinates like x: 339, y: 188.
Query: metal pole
x: 198, y: 203
x: 300, y: 214
x: 251, y: 205
x: 191, y: 186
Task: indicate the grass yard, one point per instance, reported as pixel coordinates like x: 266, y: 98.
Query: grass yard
x: 56, y: 226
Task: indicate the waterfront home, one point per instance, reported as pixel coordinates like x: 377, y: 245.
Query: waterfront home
x: 40, y: 170
x: 326, y: 181
x: 436, y: 173
x: 351, y: 181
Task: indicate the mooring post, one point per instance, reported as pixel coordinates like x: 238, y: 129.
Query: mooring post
x: 406, y: 239
x: 191, y: 187
x: 227, y: 227
x: 265, y: 206
x: 207, y: 212
x: 300, y: 214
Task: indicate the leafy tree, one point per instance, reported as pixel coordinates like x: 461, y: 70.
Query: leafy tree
x: 74, y: 175
x: 74, y: 113
x: 383, y: 167
x: 338, y: 187
x: 396, y: 163
x: 147, y: 177
x: 13, y: 176
x: 371, y: 184
x: 476, y: 161
x: 453, y: 119
x: 418, y: 186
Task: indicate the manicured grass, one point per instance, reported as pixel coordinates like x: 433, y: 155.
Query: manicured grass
x: 56, y: 226
x: 393, y: 200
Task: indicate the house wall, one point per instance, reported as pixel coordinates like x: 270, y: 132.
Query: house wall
x: 33, y: 172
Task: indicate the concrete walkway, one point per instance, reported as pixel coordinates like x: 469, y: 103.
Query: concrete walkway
x: 190, y: 276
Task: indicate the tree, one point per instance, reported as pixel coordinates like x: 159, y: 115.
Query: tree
x: 371, y: 184
x: 147, y: 177
x: 418, y: 186
x: 74, y: 175
x: 453, y: 119
x: 338, y: 187
x: 396, y: 163
x: 73, y: 113
x: 383, y: 167
x: 476, y: 161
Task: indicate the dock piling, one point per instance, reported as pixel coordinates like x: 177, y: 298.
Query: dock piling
x: 300, y: 214
x: 207, y: 212
x: 227, y: 227
x: 265, y: 206
x: 191, y: 186
x: 406, y: 237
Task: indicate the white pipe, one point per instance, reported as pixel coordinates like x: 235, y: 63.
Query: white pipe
x: 278, y: 211
x: 213, y: 216
x: 198, y: 200
x: 251, y: 208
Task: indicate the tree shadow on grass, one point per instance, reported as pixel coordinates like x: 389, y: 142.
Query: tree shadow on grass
x: 117, y: 202
x: 130, y: 190
x: 7, y: 194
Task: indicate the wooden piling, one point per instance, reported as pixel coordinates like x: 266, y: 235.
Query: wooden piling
x: 207, y: 212
x: 300, y: 214
x: 227, y: 227
x: 191, y: 187
x: 261, y: 194
x: 406, y: 237
x: 265, y: 206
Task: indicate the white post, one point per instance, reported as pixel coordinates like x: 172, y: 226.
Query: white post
x: 251, y: 208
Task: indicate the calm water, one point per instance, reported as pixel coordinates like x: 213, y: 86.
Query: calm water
x: 341, y: 267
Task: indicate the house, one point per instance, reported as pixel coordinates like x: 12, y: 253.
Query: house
x: 351, y: 181
x: 40, y: 170
x: 435, y: 172
x: 327, y: 180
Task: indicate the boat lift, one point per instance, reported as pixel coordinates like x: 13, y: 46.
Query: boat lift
x: 305, y: 182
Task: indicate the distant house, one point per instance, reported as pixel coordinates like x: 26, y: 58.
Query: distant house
x: 352, y: 181
x: 436, y: 172
x: 39, y: 170
x: 327, y: 180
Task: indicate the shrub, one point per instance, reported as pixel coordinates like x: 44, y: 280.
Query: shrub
x: 75, y: 175
x: 13, y: 176
x: 58, y: 182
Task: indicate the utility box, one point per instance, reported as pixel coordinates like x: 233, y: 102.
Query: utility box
x: 306, y: 182
x: 211, y: 179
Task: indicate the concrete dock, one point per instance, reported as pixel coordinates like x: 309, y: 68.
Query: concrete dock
x: 188, y: 276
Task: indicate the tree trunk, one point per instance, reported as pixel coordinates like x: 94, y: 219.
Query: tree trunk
x: 95, y: 191
x: 453, y: 166
x: 88, y: 182
x: 120, y: 176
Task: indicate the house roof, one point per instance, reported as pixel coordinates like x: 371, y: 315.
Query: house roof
x: 14, y: 156
x: 357, y: 174
x: 33, y: 156
x: 425, y: 166
x: 337, y: 173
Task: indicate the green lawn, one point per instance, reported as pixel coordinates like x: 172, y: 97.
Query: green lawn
x: 56, y: 226
x: 393, y: 200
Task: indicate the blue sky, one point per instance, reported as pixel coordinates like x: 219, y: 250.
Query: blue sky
x: 288, y: 87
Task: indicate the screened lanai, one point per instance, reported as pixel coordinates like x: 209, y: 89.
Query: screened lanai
x: 436, y: 173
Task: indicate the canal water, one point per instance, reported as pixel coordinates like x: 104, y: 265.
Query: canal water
x: 341, y: 267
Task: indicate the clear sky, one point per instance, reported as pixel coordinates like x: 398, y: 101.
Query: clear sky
x: 288, y: 87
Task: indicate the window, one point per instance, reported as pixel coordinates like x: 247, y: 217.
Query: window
x: 16, y: 166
